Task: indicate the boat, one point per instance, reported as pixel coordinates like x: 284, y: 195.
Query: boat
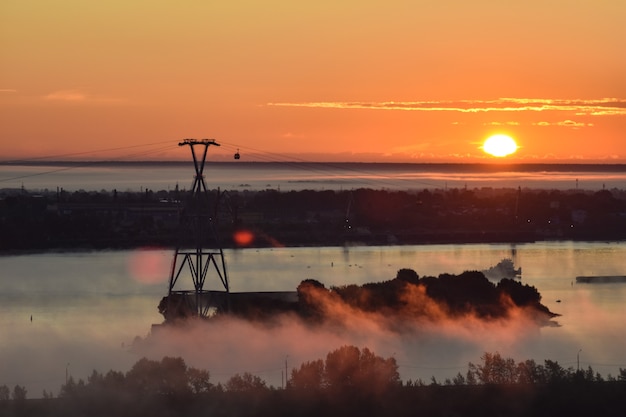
x: 503, y: 269
x: 600, y: 279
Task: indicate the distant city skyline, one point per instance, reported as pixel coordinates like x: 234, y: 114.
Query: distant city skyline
x: 360, y: 81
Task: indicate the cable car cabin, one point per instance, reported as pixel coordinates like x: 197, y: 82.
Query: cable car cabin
x: 237, y: 156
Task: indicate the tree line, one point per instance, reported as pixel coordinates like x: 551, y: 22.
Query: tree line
x: 407, y: 298
x: 349, y: 381
x: 104, y: 219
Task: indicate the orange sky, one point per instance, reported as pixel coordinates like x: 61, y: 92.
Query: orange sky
x: 417, y: 81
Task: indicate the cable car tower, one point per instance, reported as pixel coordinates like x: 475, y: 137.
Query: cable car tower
x: 198, y: 230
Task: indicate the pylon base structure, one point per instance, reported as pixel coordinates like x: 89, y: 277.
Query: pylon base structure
x: 193, y: 261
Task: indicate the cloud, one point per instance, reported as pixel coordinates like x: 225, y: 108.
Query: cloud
x: 76, y: 96
x: 510, y: 123
x: 66, y: 95
x: 565, y: 123
x: 290, y: 135
x: 8, y: 90
x: 580, y: 107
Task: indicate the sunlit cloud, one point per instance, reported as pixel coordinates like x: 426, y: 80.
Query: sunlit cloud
x: 76, y: 96
x: 290, y: 135
x: 8, y: 90
x: 580, y: 107
x: 510, y: 123
x: 66, y: 95
x: 565, y: 123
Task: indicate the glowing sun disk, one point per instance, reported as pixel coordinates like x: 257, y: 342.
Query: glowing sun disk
x: 499, y: 145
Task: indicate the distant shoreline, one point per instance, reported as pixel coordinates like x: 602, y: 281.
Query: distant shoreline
x: 298, y: 176
x: 363, y: 217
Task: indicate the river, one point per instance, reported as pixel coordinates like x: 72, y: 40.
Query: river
x: 66, y: 314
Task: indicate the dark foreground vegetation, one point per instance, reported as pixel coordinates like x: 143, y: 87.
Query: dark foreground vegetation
x: 404, y: 301
x: 112, y: 219
x: 348, y: 382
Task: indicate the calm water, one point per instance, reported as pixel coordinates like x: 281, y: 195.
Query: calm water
x: 316, y: 176
x: 88, y: 307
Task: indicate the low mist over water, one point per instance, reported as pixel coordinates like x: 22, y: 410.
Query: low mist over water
x: 287, y: 176
x: 88, y: 309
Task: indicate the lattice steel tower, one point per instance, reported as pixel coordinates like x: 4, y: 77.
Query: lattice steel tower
x: 192, y: 260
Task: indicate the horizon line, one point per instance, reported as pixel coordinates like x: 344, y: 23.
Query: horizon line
x: 18, y: 162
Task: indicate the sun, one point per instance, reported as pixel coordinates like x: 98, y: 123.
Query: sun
x: 500, y: 145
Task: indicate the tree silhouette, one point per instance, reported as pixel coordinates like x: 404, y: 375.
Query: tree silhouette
x: 309, y: 376
x: 19, y: 393
x: 152, y: 378
x: 409, y: 297
x: 495, y: 370
x: 349, y: 382
x: 348, y: 369
x: 5, y: 393
x: 199, y: 380
x: 245, y: 383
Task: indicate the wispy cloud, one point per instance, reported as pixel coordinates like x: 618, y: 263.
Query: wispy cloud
x: 509, y: 123
x: 561, y: 123
x: 8, y: 90
x: 66, y: 95
x: 565, y: 123
x: 291, y: 135
x: 579, y: 107
x: 77, y: 96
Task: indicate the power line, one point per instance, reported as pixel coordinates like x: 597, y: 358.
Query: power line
x: 80, y: 164
x: 97, y: 151
x: 323, y: 167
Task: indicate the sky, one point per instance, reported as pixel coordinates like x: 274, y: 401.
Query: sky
x: 369, y: 81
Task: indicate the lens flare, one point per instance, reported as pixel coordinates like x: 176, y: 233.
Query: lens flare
x: 149, y: 265
x: 243, y: 237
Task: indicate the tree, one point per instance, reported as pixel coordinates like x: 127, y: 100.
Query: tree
x: 4, y: 393
x: 408, y: 275
x: 19, y: 393
x: 554, y: 372
x: 377, y: 374
x: 199, y: 380
x: 342, y: 367
x: 459, y: 379
x: 311, y: 294
x: 144, y: 378
x: 528, y: 372
x: 174, y: 371
x: 71, y: 387
x: 309, y: 376
x: 495, y: 369
x: 470, y: 377
x: 348, y: 368
x: 245, y: 383
x: 168, y: 377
